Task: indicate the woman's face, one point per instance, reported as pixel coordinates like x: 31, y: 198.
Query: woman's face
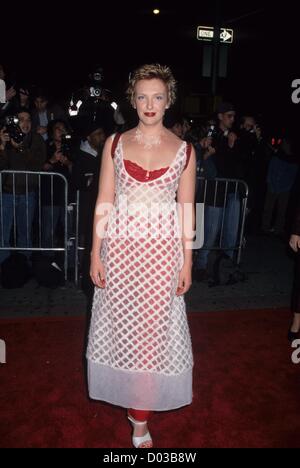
x: 58, y: 131
x: 150, y: 100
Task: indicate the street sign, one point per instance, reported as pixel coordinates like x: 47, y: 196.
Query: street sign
x: 206, y: 33
x: 226, y: 35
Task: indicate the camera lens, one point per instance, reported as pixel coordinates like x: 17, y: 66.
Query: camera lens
x: 97, y: 76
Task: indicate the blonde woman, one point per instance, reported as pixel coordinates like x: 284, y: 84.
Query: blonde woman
x: 139, y: 351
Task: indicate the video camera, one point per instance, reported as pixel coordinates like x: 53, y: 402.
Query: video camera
x: 11, y: 123
x: 96, y: 78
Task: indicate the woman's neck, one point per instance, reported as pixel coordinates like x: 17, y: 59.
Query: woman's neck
x: 149, y: 138
x: 150, y: 130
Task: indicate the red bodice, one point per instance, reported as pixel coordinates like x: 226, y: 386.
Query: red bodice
x: 139, y: 173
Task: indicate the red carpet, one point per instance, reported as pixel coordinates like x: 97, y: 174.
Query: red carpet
x: 246, y: 388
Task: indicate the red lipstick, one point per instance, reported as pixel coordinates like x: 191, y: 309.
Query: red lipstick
x: 150, y: 114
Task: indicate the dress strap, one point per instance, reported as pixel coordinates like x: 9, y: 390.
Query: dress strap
x: 115, y: 144
x: 188, y: 154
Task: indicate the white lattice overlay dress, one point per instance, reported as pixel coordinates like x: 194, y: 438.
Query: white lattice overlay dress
x: 139, y: 349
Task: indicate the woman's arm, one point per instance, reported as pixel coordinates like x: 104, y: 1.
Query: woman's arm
x: 295, y: 237
x: 186, y: 203
x: 186, y: 206
x: 105, y: 198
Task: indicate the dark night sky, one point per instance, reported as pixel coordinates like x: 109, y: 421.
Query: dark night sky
x: 57, y: 48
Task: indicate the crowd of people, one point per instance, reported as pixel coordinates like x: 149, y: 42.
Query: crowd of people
x: 227, y: 145
x: 139, y: 353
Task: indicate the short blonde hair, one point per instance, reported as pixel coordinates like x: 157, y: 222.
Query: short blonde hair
x: 148, y: 72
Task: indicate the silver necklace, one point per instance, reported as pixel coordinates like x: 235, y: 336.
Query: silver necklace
x: 148, y: 141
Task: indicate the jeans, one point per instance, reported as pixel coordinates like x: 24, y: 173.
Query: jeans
x: 213, y: 218
x: 24, y: 213
x: 50, y: 224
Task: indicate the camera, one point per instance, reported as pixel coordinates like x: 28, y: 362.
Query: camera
x: 212, y: 133
x: 66, y: 145
x: 96, y: 78
x: 13, y: 129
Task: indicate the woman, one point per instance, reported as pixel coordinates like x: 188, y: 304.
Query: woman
x: 295, y: 245
x: 139, y: 350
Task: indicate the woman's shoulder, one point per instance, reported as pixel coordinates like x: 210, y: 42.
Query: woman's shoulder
x: 172, y: 138
x: 173, y: 141
x: 128, y: 134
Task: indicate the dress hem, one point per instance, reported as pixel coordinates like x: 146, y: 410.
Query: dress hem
x: 140, y: 409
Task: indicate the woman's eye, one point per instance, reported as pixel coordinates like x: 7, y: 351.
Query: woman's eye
x: 159, y: 98
x: 140, y: 98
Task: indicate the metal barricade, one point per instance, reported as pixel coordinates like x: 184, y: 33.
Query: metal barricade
x: 14, y: 200
x: 78, y: 248
x: 225, y: 205
x: 210, y: 192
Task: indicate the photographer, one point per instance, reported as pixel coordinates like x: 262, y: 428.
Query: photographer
x: 43, y: 113
x: 53, y: 191
x: 222, y: 204
x: 255, y: 159
x: 29, y: 154
x: 96, y: 106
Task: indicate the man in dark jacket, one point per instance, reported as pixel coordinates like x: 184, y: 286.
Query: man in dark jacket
x: 222, y: 202
x: 42, y: 114
x: 85, y: 177
x: 19, y: 191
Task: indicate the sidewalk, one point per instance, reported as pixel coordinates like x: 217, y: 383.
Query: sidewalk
x: 266, y: 261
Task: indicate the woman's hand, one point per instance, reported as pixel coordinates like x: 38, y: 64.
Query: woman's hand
x: 184, y: 280
x: 295, y: 242
x: 209, y: 152
x: 97, y: 271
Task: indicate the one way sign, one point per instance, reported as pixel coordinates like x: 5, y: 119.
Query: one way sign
x: 226, y: 35
x: 206, y: 33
